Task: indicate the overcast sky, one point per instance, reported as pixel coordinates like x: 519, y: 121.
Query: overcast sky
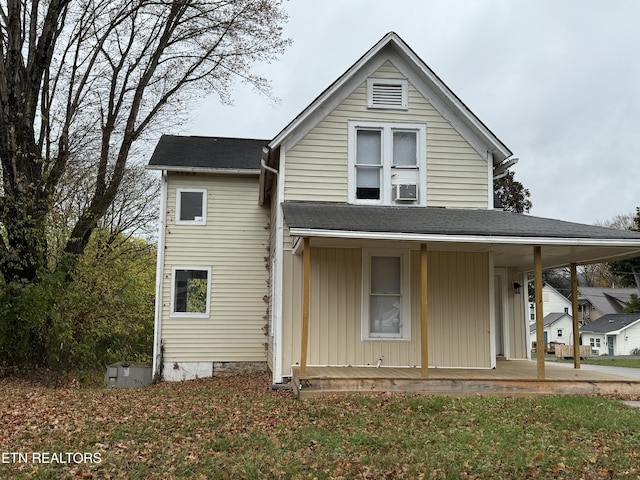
x: 557, y: 81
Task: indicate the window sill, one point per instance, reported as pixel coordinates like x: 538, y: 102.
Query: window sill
x: 188, y: 315
x: 385, y: 339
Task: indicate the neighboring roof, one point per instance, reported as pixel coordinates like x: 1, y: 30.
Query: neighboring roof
x: 442, y: 98
x: 183, y: 153
x: 611, y: 323
x: 607, y: 300
x: 552, y: 318
x: 565, y: 242
x: 549, y: 320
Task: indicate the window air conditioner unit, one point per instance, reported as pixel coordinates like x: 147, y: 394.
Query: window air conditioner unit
x: 405, y: 192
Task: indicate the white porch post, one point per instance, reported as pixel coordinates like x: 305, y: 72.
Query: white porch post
x: 537, y: 279
x: 574, y: 315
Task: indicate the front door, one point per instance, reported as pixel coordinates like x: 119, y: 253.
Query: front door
x: 610, y: 341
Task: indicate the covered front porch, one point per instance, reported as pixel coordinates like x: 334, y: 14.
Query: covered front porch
x: 467, y: 275
x: 510, y: 377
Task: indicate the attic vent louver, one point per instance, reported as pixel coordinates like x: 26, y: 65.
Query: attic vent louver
x: 387, y: 93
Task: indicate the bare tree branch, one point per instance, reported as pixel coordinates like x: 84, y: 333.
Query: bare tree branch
x: 81, y: 81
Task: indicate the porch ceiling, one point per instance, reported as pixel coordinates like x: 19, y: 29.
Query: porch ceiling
x: 509, y: 236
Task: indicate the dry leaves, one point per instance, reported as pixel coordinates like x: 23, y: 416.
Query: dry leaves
x: 235, y: 428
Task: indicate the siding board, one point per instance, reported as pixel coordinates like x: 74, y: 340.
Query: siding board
x: 458, y: 311
x: 234, y: 243
x: 317, y: 166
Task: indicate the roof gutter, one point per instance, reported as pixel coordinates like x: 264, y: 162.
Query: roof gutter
x: 219, y: 171
x: 461, y: 238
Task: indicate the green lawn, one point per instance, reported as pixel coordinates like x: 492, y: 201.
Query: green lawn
x: 630, y: 362
x: 614, y: 362
x: 236, y: 428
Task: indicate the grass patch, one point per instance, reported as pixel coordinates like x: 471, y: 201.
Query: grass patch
x: 614, y: 362
x: 629, y: 362
x: 235, y: 428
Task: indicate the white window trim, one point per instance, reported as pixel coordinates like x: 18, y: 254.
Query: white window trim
x: 172, y: 312
x: 179, y: 192
x: 405, y: 292
x: 387, y: 129
x: 388, y: 81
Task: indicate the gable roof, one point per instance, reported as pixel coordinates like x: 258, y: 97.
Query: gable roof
x: 440, y: 96
x: 191, y: 153
x: 555, y: 290
x: 607, y: 300
x: 611, y: 323
x: 564, y: 242
x: 549, y: 320
x: 552, y: 318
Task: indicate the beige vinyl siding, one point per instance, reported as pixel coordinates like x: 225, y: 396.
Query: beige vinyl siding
x: 234, y: 244
x: 458, y: 312
x: 316, y: 167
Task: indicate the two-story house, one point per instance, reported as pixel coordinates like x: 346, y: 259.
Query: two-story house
x: 363, y: 234
x: 553, y: 301
x: 594, y: 302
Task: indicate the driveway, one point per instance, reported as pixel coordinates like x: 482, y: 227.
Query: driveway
x: 632, y: 373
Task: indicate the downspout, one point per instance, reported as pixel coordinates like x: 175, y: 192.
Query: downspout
x: 504, y: 168
x: 276, y: 274
x: 265, y: 166
x: 157, y: 324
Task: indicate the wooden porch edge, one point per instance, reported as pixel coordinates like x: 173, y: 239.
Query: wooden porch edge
x: 312, y: 387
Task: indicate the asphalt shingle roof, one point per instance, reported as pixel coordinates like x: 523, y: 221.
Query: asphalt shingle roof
x: 208, y: 152
x: 549, y: 319
x: 610, y: 323
x: 607, y: 300
x: 442, y: 221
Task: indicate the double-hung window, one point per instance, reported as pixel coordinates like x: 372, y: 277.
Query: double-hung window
x: 387, y: 163
x: 191, y: 206
x: 386, y: 304
x: 190, y: 291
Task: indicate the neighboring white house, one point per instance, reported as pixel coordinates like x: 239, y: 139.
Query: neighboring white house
x: 558, y: 328
x: 552, y: 302
x: 613, y: 334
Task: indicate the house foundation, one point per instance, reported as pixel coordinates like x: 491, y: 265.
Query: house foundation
x: 178, y: 371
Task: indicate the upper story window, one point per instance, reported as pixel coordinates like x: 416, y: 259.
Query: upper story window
x: 387, y: 93
x: 387, y: 163
x: 191, y: 206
